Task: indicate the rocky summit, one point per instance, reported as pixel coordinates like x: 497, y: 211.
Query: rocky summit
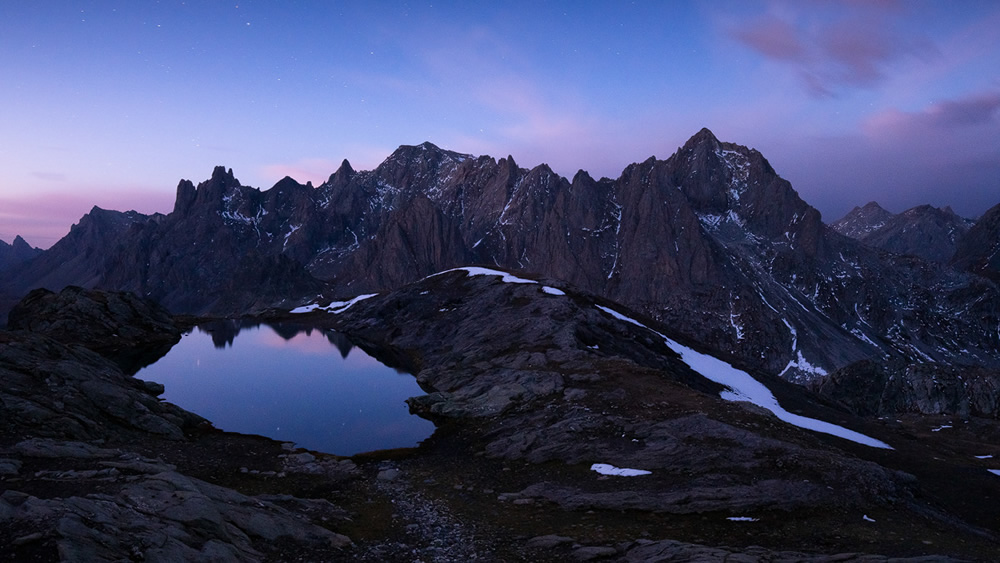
x: 711, y: 240
x: 924, y: 231
x: 569, y: 427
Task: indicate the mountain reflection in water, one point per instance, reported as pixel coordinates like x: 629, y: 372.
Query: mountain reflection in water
x: 291, y: 383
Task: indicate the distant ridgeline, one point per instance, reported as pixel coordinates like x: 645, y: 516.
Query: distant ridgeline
x: 16, y: 253
x: 710, y: 241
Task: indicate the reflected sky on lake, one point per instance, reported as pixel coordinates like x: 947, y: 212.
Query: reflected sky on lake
x: 291, y: 384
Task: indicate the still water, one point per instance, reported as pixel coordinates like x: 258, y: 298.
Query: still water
x: 293, y: 384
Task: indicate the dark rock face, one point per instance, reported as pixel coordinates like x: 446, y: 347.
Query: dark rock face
x: 214, y: 253
x: 710, y: 240
x: 15, y: 254
x: 71, y: 393
x: 119, y: 326
x: 979, y: 250
x: 873, y: 389
x: 923, y: 231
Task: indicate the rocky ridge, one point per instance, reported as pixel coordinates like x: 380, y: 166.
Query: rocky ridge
x: 862, y: 221
x: 923, y: 231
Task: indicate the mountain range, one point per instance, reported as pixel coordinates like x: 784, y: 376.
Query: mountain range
x: 711, y: 241
x: 924, y: 231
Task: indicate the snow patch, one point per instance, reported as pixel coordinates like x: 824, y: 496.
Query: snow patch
x: 336, y: 307
x: 743, y: 387
x: 710, y: 221
x: 994, y: 471
x: 736, y: 326
x: 742, y: 519
x: 290, y: 233
x: 478, y: 271
x: 607, y: 469
x: 867, y: 519
x: 802, y: 364
x: 984, y: 457
x: 552, y: 290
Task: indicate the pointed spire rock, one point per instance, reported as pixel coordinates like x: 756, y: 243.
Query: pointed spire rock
x: 224, y: 176
x: 186, y: 194
x: 703, y: 138
x: 342, y: 176
x: 286, y: 184
x: 582, y: 176
x: 211, y: 191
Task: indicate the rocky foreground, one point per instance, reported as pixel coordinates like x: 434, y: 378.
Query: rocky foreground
x: 530, y: 384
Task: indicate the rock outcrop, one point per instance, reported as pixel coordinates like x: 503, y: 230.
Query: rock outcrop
x: 871, y: 388
x: 118, y: 325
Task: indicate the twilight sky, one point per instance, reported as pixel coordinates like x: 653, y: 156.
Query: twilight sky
x: 111, y: 103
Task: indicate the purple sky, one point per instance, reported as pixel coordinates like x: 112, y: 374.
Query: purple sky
x: 111, y: 103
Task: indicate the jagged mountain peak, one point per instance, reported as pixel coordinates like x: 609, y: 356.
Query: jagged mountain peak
x: 345, y: 168
x: 224, y: 175
x: 342, y: 176
x: 703, y: 138
x: 862, y: 221
x: 924, y: 231
x: 582, y: 177
x: 425, y: 152
x: 287, y: 183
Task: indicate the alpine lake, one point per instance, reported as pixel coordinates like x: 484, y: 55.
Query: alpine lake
x: 291, y: 383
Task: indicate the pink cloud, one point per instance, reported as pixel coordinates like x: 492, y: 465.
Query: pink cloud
x: 774, y: 38
x: 976, y: 109
x: 853, y: 48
